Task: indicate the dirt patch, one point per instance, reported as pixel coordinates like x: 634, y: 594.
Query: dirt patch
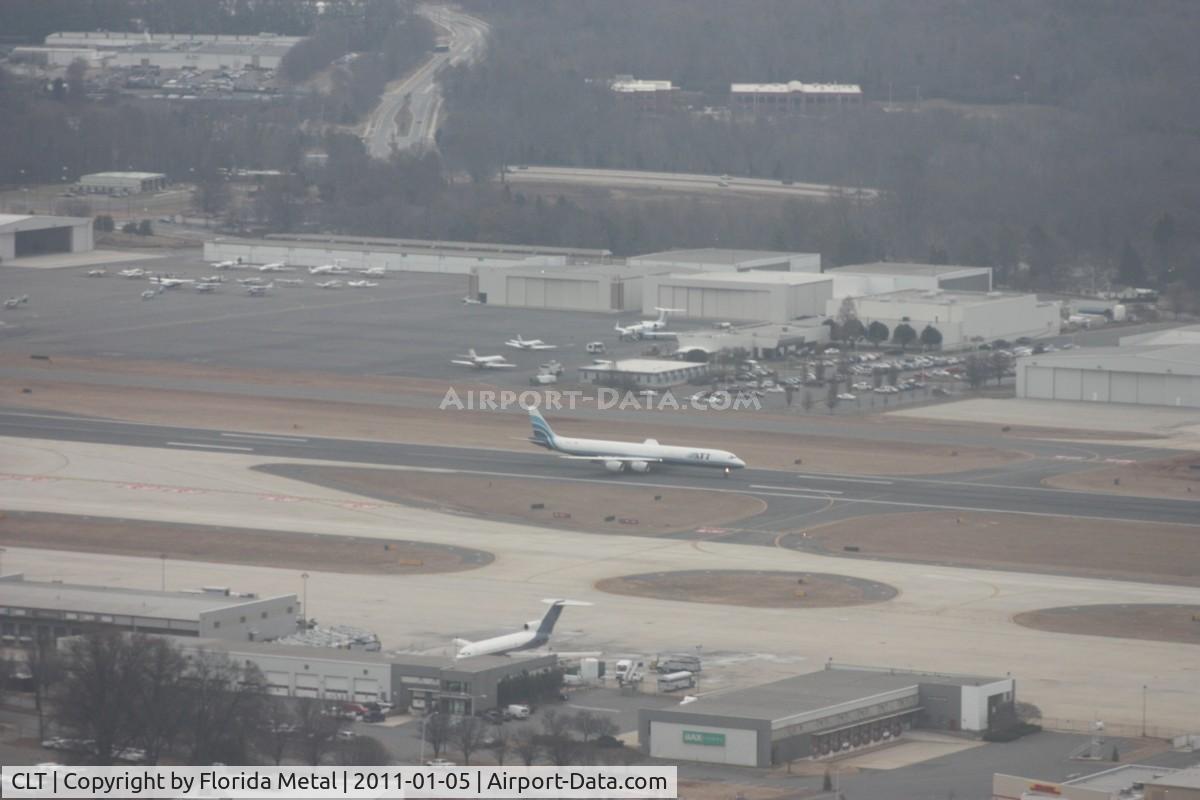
x: 1156, y: 622
x: 755, y: 588
x: 301, y: 551
x: 1167, y: 477
x: 422, y: 422
x: 1136, y: 551
x: 581, y: 507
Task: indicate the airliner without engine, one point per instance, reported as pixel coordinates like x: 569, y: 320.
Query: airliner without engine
x: 640, y: 330
x: 534, y: 633
x: 629, y: 456
x: 529, y: 344
x: 473, y: 359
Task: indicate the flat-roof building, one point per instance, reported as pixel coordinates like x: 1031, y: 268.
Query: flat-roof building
x: 415, y: 682
x: 757, y: 295
x: 645, y: 95
x: 818, y: 715
x: 127, y: 182
x: 793, y: 97
x: 716, y: 259
x: 50, y: 609
x: 555, y: 283
x: 1137, y: 374
x: 169, y: 50
x: 963, y: 318
x: 763, y: 340
x: 1126, y: 782
x: 37, y: 234
x: 857, y: 280
x: 649, y: 373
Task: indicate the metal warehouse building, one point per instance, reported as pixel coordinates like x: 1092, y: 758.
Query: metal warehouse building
x: 653, y: 373
x: 128, y: 182
x: 857, y: 280
x: 759, y: 296
x: 712, y: 259
x: 1142, y: 375
x: 26, y: 235
x: 414, y: 682
x: 556, y: 284
x: 39, y: 609
x: 819, y: 714
x: 961, y: 317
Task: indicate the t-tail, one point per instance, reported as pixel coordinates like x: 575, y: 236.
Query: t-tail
x: 552, y: 614
x: 543, y: 436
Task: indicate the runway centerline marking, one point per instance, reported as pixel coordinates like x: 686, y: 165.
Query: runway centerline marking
x: 795, y: 489
x: 805, y: 477
x: 264, y: 436
x: 214, y: 446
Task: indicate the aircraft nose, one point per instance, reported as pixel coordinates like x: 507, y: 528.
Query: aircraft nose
x: 737, y: 462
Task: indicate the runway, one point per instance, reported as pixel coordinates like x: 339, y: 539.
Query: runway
x: 945, y: 618
x: 790, y: 496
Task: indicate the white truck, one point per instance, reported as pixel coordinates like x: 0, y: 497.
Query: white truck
x: 516, y: 711
x: 674, y: 681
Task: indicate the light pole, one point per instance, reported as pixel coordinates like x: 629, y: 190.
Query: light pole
x: 1144, y: 688
x: 304, y: 581
x: 163, y: 574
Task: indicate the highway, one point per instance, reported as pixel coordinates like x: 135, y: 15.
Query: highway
x: 418, y: 92
x: 790, y: 496
x: 687, y: 183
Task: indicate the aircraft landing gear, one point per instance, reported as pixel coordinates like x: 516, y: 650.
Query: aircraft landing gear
x: 728, y: 472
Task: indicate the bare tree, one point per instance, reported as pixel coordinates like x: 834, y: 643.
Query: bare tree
x: 226, y: 709
x: 437, y: 732
x: 161, y: 707
x: 315, y: 729
x: 556, y: 734
x: 468, y: 735
x: 97, y: 698
x: 592, y: 725
x: 500, y: 743
x: 279, y: 728
x: 526, y: 744
x: 363, y: 751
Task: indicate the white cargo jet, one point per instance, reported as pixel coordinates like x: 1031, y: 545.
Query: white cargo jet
x: 639, y: 330
x: 473, y: 359
x: 634, y: 456
x: 533, y: 634
x: 529, y: 344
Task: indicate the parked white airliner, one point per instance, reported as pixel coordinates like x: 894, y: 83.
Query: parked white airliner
x: 534, y: 633
x: 634, y: 456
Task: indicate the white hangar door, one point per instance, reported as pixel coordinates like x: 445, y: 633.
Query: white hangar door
x: 366, y: 690
x: 1039, y: 383
x: 337, y: 688
x: 1095, y: 386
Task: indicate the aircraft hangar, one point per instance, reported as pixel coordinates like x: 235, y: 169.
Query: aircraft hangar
x: 1141, y: 375
x: 24, y: 235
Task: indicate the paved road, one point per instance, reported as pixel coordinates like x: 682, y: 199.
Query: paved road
x: 790, y: 496
x: 681, y: 182
x: 418, y: 91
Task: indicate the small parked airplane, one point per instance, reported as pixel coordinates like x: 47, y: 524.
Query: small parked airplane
x: 639, y: 330
x: 334, y: 284
x: 97, y: 273
x: 170, y: 283
x: 259, y: 291
x: 634, y: 456
x: 472, y: 359
x: 373, y: 272
x: 225, y: 265
x: 205, y: 287
x: 529, y: 344
x: 277, y: 266
x: 328, y: 269
x: 361, y: 284
x: 534, y: 633
x: 149, y: 294
x: 250, y: 281
x: 212, y: 279
x: 290, y: 281
x: 136, y: 272
x: 471, y: 301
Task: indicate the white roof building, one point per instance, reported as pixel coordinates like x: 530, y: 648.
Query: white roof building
x: 37, y: 234
x: 1137, y: 375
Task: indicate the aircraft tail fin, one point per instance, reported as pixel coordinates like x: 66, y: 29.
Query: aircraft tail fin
x: 471, y: 352
x: 553, y: 613
x: 543, y: 434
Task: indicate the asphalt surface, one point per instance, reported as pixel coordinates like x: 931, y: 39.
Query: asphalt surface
x: 418, y: 91
x: 791, y: 497
x: 689, y: 183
